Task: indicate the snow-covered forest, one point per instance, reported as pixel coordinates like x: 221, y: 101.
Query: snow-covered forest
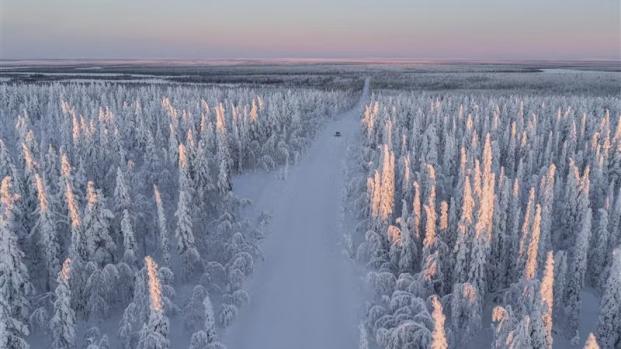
x: 488, y: 216
x: 118, y: 226
x: 458, y: 208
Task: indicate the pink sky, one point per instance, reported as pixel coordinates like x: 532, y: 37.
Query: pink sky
x: 207, y: 29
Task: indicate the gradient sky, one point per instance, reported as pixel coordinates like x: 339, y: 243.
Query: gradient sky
x: 210, y: 29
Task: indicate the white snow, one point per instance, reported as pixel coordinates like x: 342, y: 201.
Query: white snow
x: 307, y: 293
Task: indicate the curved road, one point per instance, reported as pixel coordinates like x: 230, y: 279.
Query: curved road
x: 307, y: 293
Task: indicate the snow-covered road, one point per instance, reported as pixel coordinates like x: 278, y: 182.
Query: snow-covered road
x: 307, y: 293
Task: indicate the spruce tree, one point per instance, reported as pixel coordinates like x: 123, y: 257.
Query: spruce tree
x: 547, y: 297
x: 576, y: 275
x: 48, y: 241
x: 63, y: 323
x: 186, y: 246
x: 438, y: 337
x: 97, y: 218
x: 154, y: 333
x: 162, y: 226
x: 129, y: 239
x: 609, y: 325
x: 15, y: 286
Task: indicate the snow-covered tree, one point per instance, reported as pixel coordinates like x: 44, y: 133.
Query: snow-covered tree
x: 576, y: 275
x: 591, y: 342
x: 510, y: 331
x: 206, y: 337
x: 186, y: 246
x: 95, y: 340
x: 97, y: 217
x: 546, y: 191
x: 78, y: 249
x: 224, y: 159
x: 462, y: 245
x: 129, y: 239
x: 599, y: 251
x: 162, y: 226
x: 609, y: 325
x: 63, y: 323
x: 530, y: 269
x: 408, y: 255
x: 210, y: 319
x: 15, y: 286
x: 547, y: 297
x: 100, y: 289
x: 154, y: 333
x: 194, y: 311
x: 228, y: 313
x: 48, y: 241
x: 466, y: 312
x: 438, y: 337
x: 122, y: 199
x: 387, y: 186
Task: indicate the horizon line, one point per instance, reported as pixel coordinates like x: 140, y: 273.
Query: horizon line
x: 368, y: 59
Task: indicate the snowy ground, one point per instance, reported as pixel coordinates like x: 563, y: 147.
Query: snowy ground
x: 306, y: 293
